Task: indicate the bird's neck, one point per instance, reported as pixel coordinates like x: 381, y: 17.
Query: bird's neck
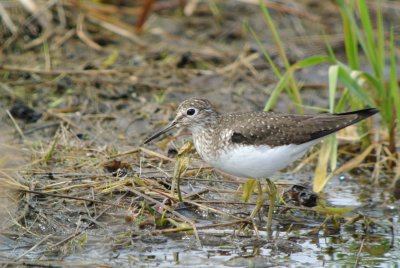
x: 207, y: 125
x: 204, y: 136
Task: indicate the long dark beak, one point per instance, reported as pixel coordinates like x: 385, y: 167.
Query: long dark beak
x: 162, y: 131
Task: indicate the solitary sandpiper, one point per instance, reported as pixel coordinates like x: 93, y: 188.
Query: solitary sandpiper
x: 255, y: 144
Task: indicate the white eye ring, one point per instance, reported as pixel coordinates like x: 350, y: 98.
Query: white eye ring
x: 191, y: 111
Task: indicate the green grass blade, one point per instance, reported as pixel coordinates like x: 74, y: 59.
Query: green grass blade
x: 380, y: 47
x: 293, y: 90
x: 350, y: 39
x: 368, y: 31
x: 311, y: 61
x: 51, y: 151
x: 353, y: 84
x: 344, y: 99
x: 393, y: 81
x: 248, y: 189
x: 333, y: 78
x: 331, y: 53
x: 321, y: 175
x: 333, y: 74
x: 276, y: 92
x: 274, y: 32
x: 274, y: 67
x: 308, y: 62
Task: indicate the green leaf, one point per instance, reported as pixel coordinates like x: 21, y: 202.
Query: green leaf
x: 393, y: 84
x: 276, y: 92
x: 311, y: 61
x: 354, y: 84
x: 308, y: 62
x: 333, y: 210
x: 248, y: 189
x: 320, y: 174
x: 112, y: 58
x: 274, y: 67
x: 333, y: 77
x: 52, y: 149
x: 350, y: 40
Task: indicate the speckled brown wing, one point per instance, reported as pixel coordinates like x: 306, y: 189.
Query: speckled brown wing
x: 275, y: 129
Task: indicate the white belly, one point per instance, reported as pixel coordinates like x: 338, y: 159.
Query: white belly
x: 258, y: 161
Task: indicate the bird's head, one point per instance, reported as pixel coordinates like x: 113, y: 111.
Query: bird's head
x: 194, y: 113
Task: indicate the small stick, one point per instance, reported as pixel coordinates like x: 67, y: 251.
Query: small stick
x: 16, y: 125
x: 59, y: 42
x: 35, y: 246
x: 81, y: 34
x: 75, y: 198
x: 211, y: 209
x: 183, y: 229
x: 79, y: 232
x: 132, y: 151
x: 110, y: 24
x: 359, y: 253
x: 10, y: 68
x: 146, y: 9
x: 44, y: 126
x: 196, y: 194
x: 152, y: 153
x: 7, y: 20
x: 253, y: 204
x: 169, y: 210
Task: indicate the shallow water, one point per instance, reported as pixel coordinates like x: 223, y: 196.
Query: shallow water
x: 221, y: 248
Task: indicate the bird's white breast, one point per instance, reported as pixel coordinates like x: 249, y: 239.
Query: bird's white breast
x: 257, y: 161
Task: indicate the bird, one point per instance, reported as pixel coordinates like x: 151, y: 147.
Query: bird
x: 255, y: 144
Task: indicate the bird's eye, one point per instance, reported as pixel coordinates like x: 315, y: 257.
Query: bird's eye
x: 191, y: 111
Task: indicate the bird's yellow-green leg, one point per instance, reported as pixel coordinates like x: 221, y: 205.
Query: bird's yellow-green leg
x: 260, y: 200
x: 271, y: 191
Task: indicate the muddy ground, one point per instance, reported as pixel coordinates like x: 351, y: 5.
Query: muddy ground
x: 81, y: 189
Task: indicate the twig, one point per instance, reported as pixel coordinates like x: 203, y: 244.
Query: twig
x: 40, y: 40
x: 60, y: 41
x: 211, y: 209
x: 169, y: 210
x: 35, y: 246
x: 63, y: 118
x: 29, y: 20
x: 183, y: 229
x: 210, y: 180
x: 285, y: 9
x: 82, y: 35
x: 152, y: 153
x: 61, y: 15
x: 10, y: 182
x: 359, y: 253
x: 47, y: 56
x: 132, y: 151
x: 15, y: 125
x: 223, y: 202
x: 48, y: 125
x: 161, y: 205
x: 100, y: 20
x: 72, y: 236
x: 196, y: 194
x: 240, y: 61
x: 146, y: 9
x: 41, y: 14
x: 108, y: 8
x: 74, y: 198
x: 190, y: 7
x: 9, y: 68
x: 7, y: 20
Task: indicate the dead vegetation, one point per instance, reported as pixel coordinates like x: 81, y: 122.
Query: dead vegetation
x: 82, y: 86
